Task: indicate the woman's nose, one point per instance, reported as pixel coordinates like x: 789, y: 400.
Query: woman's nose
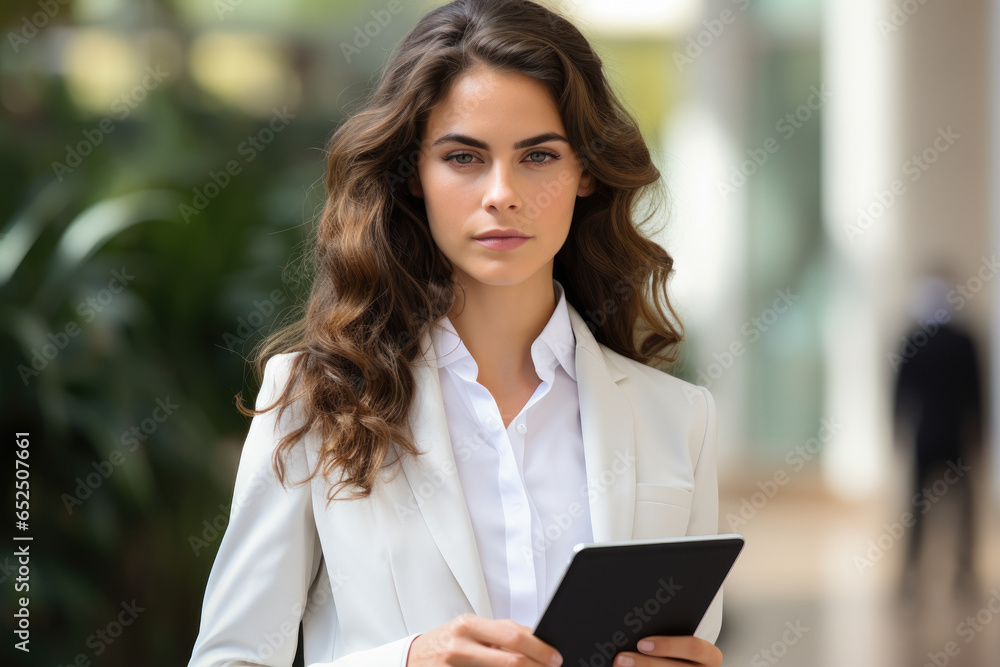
x: 501, y: 193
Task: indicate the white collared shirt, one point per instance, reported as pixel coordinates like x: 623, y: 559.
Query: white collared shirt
x: 525, y: 485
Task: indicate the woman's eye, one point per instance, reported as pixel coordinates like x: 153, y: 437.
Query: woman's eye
x: 539, y: 157
x: 459, y: 158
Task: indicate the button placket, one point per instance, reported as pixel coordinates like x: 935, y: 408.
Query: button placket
x: 521, y: 570
x: 517, y: 512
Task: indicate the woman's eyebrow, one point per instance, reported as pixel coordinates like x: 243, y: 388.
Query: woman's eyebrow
x: 523, y: 143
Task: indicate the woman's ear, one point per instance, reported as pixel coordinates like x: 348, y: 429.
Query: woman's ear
x: 587, y: 185
x: 413, y: 183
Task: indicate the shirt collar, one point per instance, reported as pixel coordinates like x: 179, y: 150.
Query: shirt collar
x: 555, y: 345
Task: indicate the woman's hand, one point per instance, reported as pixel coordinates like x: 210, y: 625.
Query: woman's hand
x: 663, y: 651
x: 473, y: 641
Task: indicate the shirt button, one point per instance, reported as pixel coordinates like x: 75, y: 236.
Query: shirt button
x: 522, y: 429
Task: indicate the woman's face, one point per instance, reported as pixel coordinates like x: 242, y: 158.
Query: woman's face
x: 494, y: 156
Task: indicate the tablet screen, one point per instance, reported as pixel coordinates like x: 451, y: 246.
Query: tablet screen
x: 614, y: 594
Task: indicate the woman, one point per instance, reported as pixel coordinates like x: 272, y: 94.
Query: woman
x: 479, y: 283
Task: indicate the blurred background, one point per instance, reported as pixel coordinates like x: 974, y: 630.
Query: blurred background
x: 832, y: 170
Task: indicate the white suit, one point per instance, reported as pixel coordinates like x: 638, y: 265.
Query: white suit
x: 362, y: 575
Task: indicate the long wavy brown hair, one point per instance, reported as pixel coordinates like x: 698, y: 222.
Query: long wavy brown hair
x: 380, y: 280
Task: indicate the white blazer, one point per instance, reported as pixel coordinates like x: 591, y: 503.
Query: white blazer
x: 363, y: 575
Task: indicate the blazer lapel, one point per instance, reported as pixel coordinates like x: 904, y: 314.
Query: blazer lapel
x: 433, y: 479
x: 608, y: 436
x: 609, y: 454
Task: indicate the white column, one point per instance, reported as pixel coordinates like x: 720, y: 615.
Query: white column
x: 858, y: 142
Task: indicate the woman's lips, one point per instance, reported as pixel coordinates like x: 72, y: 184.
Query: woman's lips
x: 502, y: 242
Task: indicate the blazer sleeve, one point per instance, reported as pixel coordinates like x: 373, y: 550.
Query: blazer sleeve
x: 705, y: 509
x: 269, y: 556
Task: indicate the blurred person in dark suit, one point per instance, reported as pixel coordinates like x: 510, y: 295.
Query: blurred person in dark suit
x: 938, y: 395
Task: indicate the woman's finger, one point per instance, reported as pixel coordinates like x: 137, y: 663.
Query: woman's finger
x: 687, y: 649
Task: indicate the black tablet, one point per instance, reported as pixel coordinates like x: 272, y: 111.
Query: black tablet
x: 615, y: 593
